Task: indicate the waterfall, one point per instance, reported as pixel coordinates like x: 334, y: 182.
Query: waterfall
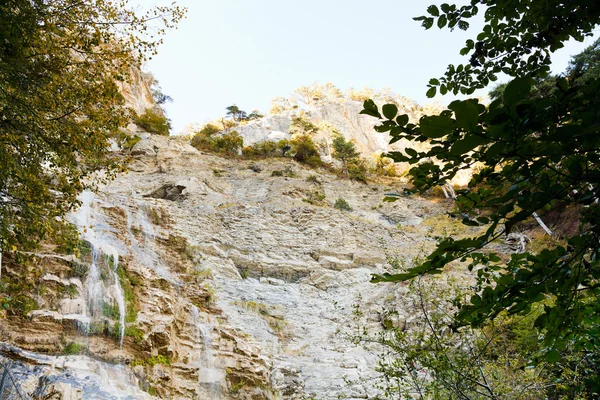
x: 209, y: 376
x: 145, y: 250
x: 93, y: 229
x: 120, y: 297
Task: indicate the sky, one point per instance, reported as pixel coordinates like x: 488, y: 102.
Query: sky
x: 247, y: 52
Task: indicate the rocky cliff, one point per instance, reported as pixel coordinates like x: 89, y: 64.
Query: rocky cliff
x: 201, y: 277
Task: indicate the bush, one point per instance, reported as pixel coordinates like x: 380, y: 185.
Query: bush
x: 229, y: 143
x: 153, y: 122
x: 210, y: 139
x: 263, y: 149
x: 203, y: 139
x: 314, y: 161
x: 357, y: 171
x: 315, y: 197
x: 287, y: 172
x: 384, y: 166
x: 313, y: 179
x: 302, y: 126
x: 342, y: 205
x: 304, y: 149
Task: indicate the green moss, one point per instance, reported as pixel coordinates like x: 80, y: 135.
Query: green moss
x: 78, y: 269
x: 135, y: 333
x: 22, y: 304
x: 110, y: 310
x: 203, y: 273
x: 131, y: 141
x: 211, y: 293
x: 127, y: 283
x: 75, y: 348
x: 277, y: 324
x: 152, y: 361
x: 72, y: 291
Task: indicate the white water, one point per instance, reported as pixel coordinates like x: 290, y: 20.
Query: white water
x: 209, y: 376
x: 94, y: 230
x: 145, y: 250
x: 120, y: 297
x: 71, y: 374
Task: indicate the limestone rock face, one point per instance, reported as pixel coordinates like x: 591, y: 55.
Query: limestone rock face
x: 137, y: 92
x: 233, y: 287
x: 343, y: 115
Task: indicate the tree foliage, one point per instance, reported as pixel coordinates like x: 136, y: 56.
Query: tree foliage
x: 236, y: 114
x: 62, y: 64
x: 535, y: 151
x: 345, y: 151
x: 517, y: 39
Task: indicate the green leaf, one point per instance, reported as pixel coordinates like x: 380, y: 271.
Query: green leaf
x: 436, y: 126
x: 411, y: 152
x: 431, y: 92
x: 427, y: 23
x: 402, y: 120
x: 433, y: 10
x: 575, y: 169
x: 517, y: 90
x: 370, y: 108
x: 391, y: 197
x: 434, y: 82
x: 469, y: 222
x: 390, y: 111
x: 465, y: 145
x: 552, y: 356
x: 467, y: 114
x: 442, y: 21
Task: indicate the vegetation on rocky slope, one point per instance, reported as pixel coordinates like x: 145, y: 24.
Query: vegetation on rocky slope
x: 536, y: 148
x: 60, y: 103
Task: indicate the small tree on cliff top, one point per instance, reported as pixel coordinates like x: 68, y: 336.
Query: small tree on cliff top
x: 536, y: 154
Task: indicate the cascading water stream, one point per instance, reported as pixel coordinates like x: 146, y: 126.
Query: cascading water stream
x: 120, y: 297
x: 209, y: 376
x: 145, y: 249
x: 88, y: 224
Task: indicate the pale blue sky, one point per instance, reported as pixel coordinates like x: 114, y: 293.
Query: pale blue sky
x: 248, y: 52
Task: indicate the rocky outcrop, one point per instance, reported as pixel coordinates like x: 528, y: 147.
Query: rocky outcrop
x: 340, y: 115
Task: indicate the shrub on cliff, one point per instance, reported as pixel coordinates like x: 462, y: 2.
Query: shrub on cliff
x: 305, y: 150
x: 210, y: 138
x: 153, y: 122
